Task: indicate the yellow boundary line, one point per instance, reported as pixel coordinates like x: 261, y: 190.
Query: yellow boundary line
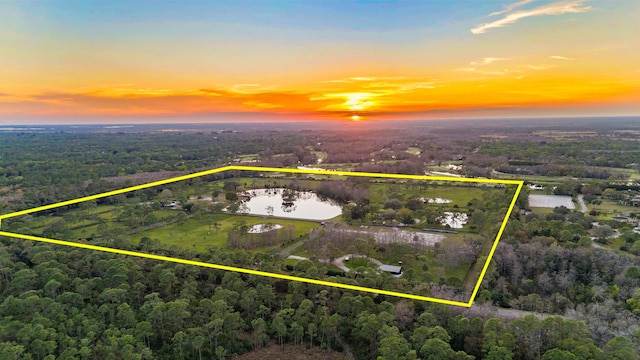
x: 228, y: 268
x: 263, y: 273
x: 495, y: 244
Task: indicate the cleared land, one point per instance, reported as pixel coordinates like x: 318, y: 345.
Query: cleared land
x: 200, y: 232
x: 381, y: 218
x: 394, y: 236
x: 551, y: 201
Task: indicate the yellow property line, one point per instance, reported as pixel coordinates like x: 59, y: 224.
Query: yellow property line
x: 249, y: 168
x: 262, y: 273
x: 495, y: 243
x: 115, y: 192
x: 230, y: 268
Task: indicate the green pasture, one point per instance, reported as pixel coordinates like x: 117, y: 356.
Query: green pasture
x: 320, y: 154
x: 200, y: 232
x: 541, y: 210
x: 459, y: 195
x: 609, y: 209
x: 358, y: 262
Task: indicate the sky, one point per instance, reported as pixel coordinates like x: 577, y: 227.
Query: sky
x: 199, y: 61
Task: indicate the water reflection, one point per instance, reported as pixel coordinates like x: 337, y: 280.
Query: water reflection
x: 289, y: 203
x: 455, y: 220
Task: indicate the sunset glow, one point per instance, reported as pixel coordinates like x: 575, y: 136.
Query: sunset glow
x: 317, y: 60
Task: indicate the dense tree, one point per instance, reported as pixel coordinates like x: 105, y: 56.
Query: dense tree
x: 57, y: 303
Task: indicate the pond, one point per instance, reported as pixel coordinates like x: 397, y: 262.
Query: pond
x: 289, y: 204
x: 455, y: 220
x: 436, y: 200
x: 262, y: 228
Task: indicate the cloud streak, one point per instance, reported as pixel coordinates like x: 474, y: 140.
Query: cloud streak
x: 488, y: 60
x: 557, y: 8
x: 510, y: 7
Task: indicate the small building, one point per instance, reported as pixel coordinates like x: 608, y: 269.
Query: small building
x: 391, y: 269
x: 173, y: 204
x: 635, y: 201
x: 621, y: 218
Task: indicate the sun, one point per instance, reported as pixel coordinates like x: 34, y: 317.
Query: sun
x: 355, y: 118
x: 358, y: 101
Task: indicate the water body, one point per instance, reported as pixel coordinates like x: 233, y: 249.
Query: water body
x: 262, y: 228
x: 302, y: 205
x: 436, y: 200
x: 456, y: 220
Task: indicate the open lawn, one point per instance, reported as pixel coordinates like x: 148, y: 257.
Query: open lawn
x: 538, y: 179
x: 200, y: 231
x: 609, y: 209
x: 246, y: 157
x: 80, y: 228
x: 379, y: 191
x: 631, y: 174
x: 320, y: 154
x: 460, y: 195
x: 460, y: 272
x: 541, y: 210
x: 357, y: 262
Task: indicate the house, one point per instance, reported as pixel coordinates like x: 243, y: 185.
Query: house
x: 622, y: 218
x: 635, y: 201
x: 173, y: 204
x: 393, y: 270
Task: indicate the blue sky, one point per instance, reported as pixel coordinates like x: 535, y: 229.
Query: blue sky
x: 319, y: 58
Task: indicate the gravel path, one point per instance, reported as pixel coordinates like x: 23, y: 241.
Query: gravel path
x: 583, y: 206
x: 339, y: 262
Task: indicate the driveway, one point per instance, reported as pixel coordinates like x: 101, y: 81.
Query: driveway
x: 339, y: 262
x: 583, y: 206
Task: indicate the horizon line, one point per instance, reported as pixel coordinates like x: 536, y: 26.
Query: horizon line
x: 334, y: 121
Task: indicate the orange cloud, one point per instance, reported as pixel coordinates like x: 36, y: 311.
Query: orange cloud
x: 532, y: 85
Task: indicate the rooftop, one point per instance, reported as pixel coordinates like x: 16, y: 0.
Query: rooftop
x: 391, y: 268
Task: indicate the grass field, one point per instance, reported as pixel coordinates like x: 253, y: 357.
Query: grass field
x: 378, y: 191
x: 247, y: 157
x: 320, y: 154
x: 357, y: 262
x: 460, y: 195
x: 199, y: 232
x: 541, y: 210
x: 609, y: 209
x: 631, y: 174
x: 204, y: 230
x: 542, y: 180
